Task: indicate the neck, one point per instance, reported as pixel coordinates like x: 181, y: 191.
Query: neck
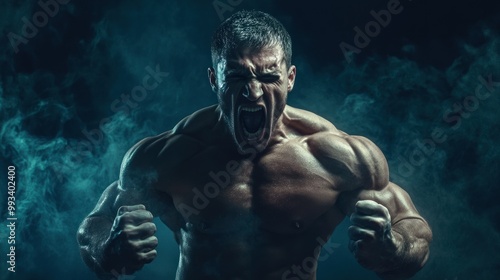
x: 279, y: 132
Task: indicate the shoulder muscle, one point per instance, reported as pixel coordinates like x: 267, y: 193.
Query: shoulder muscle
x: 155, y: 157
x: 355, y: 161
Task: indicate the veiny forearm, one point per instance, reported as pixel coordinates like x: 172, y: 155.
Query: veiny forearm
x: 414, y: 236
x: 92, y: 237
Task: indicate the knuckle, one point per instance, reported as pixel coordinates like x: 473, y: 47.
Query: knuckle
x: 145, y: 257
x: 154, y: 241
x: 358, y: 204
x: 140, y: 206
x: 353, y: 217
x: 352, y: 230
x: 148, y: 228
x: 123, y: 210
x: 145, y: 215
x: 152, y: 228
x: 122, y: 220
x: 127, y: 216
x: 150, y: 256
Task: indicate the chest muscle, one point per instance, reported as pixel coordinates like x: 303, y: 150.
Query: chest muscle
x: 284, y: 191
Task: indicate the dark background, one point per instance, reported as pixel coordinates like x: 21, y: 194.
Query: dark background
x: 60, y: 84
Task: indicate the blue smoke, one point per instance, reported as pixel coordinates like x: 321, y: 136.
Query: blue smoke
x: 71, y: 105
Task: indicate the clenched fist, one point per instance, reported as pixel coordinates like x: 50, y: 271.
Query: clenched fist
x: 371, y: 238
x: 131, y: 243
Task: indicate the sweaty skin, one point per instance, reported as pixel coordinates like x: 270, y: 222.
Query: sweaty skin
x: 248, y: 203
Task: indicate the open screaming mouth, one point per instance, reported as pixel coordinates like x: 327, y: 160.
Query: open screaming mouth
x: 252, y: 120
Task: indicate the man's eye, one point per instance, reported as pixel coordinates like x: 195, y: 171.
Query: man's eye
x: 269, y: 78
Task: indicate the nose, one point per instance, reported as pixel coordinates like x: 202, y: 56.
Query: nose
x: 253, y: 90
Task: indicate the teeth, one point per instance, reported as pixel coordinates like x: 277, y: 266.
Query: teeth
x: 251, y: 109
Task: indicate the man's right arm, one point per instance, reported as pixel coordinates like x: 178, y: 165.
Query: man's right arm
x: 118, y: 235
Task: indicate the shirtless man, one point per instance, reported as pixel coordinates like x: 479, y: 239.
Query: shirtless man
x: 249, y: 186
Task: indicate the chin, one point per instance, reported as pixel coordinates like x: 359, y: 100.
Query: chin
x: 255, y: 145
x: 246, y: 148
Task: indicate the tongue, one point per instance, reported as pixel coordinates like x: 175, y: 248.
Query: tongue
x: 252, y: 120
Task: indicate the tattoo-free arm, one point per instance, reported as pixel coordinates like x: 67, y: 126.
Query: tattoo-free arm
x: 121, y: 213
x: 387, y: 215
x: 410, y: 232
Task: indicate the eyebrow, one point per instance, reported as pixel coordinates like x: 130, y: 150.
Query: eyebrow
x: 236, y: 67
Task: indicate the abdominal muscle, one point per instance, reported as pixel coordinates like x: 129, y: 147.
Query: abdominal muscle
x: 253, y: 252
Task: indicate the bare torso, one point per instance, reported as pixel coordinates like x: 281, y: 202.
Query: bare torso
x: 250, y: 216
x: 252, y: 188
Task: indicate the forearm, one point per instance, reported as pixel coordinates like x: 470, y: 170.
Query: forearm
x: 413, y: 236
x: 93, y: 236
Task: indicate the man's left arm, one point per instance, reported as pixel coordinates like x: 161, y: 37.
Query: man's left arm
x: 387, y: 234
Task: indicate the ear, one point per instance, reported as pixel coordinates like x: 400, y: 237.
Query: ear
x: 292, y: 72
x: 212, y: 79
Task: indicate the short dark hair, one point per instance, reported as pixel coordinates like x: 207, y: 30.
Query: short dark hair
x: 250, y: 29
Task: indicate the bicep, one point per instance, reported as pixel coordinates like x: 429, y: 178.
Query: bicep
x: 139, y: 181
x: 105, y: 205
x: 135, y: 187
x: 113, y: 197
x: 126, y: 191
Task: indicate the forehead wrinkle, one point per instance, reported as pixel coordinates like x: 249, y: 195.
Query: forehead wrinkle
x: 266, y: 60
x: 269, y: 64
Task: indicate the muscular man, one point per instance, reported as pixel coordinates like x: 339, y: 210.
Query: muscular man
x: 249, y: 186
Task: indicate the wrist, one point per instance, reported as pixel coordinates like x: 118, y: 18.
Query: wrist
x: 393, y: 252
x: 109, y: 255
x: 396, y: 266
